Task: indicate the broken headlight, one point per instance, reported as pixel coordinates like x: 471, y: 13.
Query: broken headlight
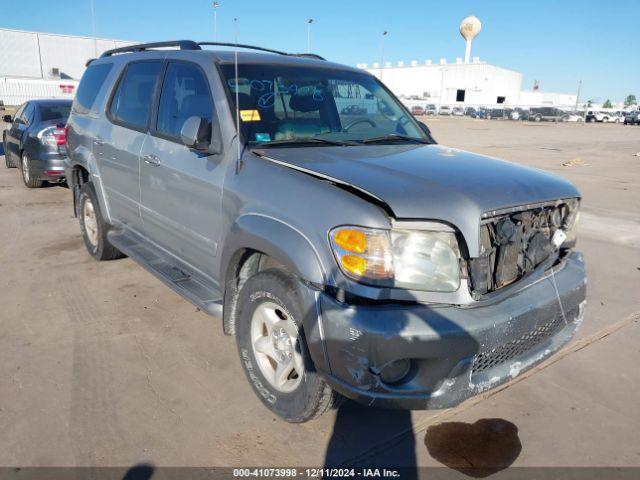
x: 411, y: 259
x: 570, y: 224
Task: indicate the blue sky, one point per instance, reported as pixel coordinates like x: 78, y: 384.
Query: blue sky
x: 556, y: 42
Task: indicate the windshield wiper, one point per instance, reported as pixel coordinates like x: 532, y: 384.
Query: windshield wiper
x: 305, y: 141
x: 392, y: 137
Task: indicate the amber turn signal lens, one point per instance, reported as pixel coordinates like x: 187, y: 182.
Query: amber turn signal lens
x: 351, y: 240
x: 354, y: 264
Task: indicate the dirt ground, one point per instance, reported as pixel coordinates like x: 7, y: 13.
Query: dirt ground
x: 102, y: 365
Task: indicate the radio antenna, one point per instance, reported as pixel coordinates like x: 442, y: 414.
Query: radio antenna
x: 235, y: 66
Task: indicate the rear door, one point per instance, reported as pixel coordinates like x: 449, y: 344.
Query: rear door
x: 182, y: 188
x: 119, y: 142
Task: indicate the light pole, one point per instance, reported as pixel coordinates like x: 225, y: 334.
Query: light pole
x: 215, y: 6
x: 93, y: 28
x: 384, y: 34
x: 309, y: 22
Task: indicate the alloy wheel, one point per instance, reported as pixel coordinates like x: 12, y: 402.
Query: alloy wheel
x: 274, y: 338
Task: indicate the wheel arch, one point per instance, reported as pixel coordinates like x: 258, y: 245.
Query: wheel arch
x: 258, y: 242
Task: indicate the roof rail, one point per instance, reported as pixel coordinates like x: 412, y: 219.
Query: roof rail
x: 181, y: 44
x: 308, y: 55
x: 261, y: 49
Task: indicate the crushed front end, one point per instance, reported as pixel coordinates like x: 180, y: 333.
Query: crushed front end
x: 528, y: 289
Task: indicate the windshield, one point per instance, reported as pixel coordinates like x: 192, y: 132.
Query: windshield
x: 54, y: 112
x: 293, y: 104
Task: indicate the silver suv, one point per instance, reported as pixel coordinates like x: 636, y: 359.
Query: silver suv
x: 348, y: 254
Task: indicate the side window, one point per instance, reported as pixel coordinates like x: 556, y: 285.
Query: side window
x: 20, y: 111
x: 28, y: 114
x: 90, y: 85
x: 131, y: 103
x: 185, y: 93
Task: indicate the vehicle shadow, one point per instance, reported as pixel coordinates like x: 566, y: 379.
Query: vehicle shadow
x: 359, y: 429
x: 141, y: 471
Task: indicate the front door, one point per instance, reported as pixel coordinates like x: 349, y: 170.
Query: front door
x: 119, y: 142
x: 181, y: 188
x: 23, y: 117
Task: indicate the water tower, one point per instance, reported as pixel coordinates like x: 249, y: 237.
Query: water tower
x: 469, y: 29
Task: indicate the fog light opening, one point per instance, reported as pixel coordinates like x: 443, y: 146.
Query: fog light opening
x: 396, y: 371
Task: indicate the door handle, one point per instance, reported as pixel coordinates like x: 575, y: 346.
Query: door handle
x: 151, y: 160
x: 98, y: 142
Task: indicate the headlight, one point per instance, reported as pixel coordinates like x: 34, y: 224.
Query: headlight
x: 570, y: 225
x: 412, y: 259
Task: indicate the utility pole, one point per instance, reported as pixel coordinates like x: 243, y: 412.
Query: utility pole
x: 309, y: 22
x: 578, y: 94
x: 384, y: 34
x: 215, y: 6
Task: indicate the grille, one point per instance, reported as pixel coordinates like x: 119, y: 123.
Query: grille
x: 510, y: 350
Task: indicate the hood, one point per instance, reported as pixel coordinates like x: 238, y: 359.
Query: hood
x: 430, y: 182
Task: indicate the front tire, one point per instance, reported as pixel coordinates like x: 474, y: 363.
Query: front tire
x: 93, y: 226
x: 30, y: 180
x: 273, y: 351
x: 8, y: 161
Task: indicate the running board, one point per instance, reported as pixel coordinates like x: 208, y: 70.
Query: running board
x: 172, y: 272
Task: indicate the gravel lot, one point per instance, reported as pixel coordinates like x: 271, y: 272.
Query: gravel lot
x: 100, y: 364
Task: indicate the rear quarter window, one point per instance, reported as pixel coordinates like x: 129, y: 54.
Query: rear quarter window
x: 90, y: 85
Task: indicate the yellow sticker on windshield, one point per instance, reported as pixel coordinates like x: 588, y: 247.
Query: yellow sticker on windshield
x: 250, y: 115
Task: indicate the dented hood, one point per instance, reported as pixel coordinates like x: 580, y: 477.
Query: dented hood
x: 430, y: 182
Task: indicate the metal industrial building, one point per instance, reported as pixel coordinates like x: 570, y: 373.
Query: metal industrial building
x: 44, y: 65
x: 475, y: 83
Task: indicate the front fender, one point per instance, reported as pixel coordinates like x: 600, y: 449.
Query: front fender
x: 281, y: 241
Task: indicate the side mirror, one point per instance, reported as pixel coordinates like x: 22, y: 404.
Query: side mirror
x: 196, y: 133
x: 7, y: 119
x: 424, y: 128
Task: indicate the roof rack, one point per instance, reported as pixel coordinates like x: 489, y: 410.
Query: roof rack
x: 191, y: 45
x: 181, y: 44
x: 261, y: 49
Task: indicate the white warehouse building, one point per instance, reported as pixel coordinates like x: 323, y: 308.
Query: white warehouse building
x: 450, y: 84
x: 472, y: 84
x: 44, y: 65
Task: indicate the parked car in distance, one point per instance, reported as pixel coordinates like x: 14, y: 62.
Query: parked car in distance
x: 597, y: 116
x: 573, y: 117
x: 547, y: 114
x: 519, y: 113
x: 347, y: 256
x: 35, y: 141
x: 457, y: 111
x: 496, y: 114
x: 632, y: 117
x: 445, y: 110
x: 431, y: 109
x: 479, y: 113
x: 417, y: 110
x: 354, y: 110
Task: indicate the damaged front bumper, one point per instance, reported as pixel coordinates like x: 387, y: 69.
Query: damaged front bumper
x: 452, y: 352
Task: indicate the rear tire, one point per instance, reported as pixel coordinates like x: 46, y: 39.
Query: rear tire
x: 30, y: 180
x: 93, y: 226
x: 270, y: 340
